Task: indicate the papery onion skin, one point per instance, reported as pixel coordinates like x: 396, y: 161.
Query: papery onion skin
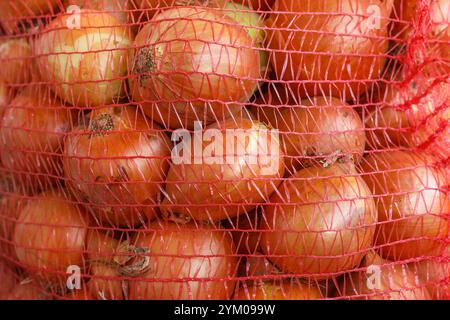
x: 116, y: 8
x: 9, y: 279
x: 10, y: 207
x: 410, y: 201
x: 212, y: 191
x: 28, y: 290
x: 278, y: 290
x: 396, y: 282
x: 31, y: 138
x: 16, y: 55
x: 180, y: 252
x: 101, y: 249
x: 118, y: 162
x: 320, y: 222
x: 5, y: 97
x: 178, y: 83
x: 86, y: 66
x: 16, y: 13
x: 50, y: 236
x: 328, y: 53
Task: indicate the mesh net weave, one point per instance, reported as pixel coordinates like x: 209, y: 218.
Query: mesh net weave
x: 245, y: 149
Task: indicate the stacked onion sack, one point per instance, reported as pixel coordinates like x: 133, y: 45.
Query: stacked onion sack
x: 245, y: 149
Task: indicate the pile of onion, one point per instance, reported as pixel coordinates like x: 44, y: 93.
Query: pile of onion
x: 320, y: 223
x: 85, y: 66
x: 31, y: 138
x: 117, y: 162
x: 193, y: 64
x: 183, y: 262
x: 50, y: 236
x: 328, y: 47
x: 237, y: 166
x: 411, y: 202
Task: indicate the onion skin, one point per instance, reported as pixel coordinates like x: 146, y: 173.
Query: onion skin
x: 319, y: 212
x: 15, y: 13
x: 319, y: 129
x: 16, y: 56
x: 10, y: 207
x: 278, y: 291
x: 341, y: 63
x: 411, y: 204
x: 247, y: 240
x: 50, y: 235
x: 397, y: 282
x: 101, y: 250
x: 177, y: 84
x: 218, y: 191
x: 31, y: 138
x: 5, y: 97
x: 198, y: 253
x: 28, y: 290
x: 89, y: 72
x: 118, y: 162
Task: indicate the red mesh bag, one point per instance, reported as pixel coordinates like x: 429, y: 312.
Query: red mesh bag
x: 245, y: 149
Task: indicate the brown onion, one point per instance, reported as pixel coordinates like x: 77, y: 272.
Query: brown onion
x: 85, y: 66
x: 184, y: 262
x: 380, y: 279
x: 16, y: 58
x: 197, y: 69
x: 116, y: 8
x: 328, y: 47
x: 278, y: 290
x: 118, y: 162
x: 31, y: 138
x: 50, y: 236
x: 230, y: 183
x: 410, y: 200
x: 320, y: 222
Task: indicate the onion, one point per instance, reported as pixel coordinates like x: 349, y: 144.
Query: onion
x: 16, y: 60
x: 395, y: 282
x: 101, y: 249
x: 228, y: 183
x: 411, y: 203
x: 248, y: 237
x: 184, y: 262
x: 279, y: 290
x: 320, y: 222
x: 50, y: 236
x: 201, y: 68
x: 319, y: 130
x: 118, y: 162
x: 10, y: 207
x: 31, y: 138
x: 17, y: 13
x: 329, y: 48
x: 85, y: 66
x: 5, y: 97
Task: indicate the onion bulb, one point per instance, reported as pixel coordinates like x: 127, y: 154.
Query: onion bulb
x: 50, y: 236
x: 9, y: 279
x: 85, y: 66
x: 16, y: 57
x: 411, y: 203
x: 380, y: 279
x: 185, y: 262
x: 236, y: 166
x: 278, y: 290
x: 320, y: 222
x: 118, y: 162
x: 328, y: 48
x: 116, y: 8
x: 31, y: 138
x: 319, y: 130
x: 198, y: 69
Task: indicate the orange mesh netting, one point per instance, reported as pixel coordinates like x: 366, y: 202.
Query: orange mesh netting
x: 219, y: 149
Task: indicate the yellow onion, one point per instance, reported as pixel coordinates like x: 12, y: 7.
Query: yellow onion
x: 193, y: 64
x: 16, y: 58
x: 84, y: 66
